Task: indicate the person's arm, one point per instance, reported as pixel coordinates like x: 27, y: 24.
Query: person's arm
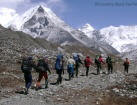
x: 80, y: 61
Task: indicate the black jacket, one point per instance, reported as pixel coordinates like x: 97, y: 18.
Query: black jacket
x: 42, y: 66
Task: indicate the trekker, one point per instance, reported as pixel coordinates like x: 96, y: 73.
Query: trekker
x: 109, y: 65
x: 126, y: 65
x: 98, y: 61
x: 42, y: 68
x: 77, y: 63
x: 58, y: 67
x: 87, y: 62
x: 70, y: 67
x: 26, y: 67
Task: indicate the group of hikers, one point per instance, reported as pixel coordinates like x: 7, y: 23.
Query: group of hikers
x: 41, y: 66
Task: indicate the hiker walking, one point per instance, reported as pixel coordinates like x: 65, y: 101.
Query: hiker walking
x: 126, y: 65
x: 42, y: 68
x: 87, y: 62
x: 26, y: 67
x: 109, y: 65
x: 58, y: 67
x: 98, y: 61
x: 70, y: 67
x: 77, y: 63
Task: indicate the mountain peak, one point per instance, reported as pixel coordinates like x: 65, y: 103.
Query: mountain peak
x: 88, y: 27
x: 40, y: 9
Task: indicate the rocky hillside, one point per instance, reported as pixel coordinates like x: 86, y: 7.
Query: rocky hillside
x: 15, y: 44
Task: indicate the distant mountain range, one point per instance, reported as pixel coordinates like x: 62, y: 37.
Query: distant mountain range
x: 122, y: 38
x: 41, y: 22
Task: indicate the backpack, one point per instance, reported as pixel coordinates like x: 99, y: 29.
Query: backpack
x: 58, y: 62
x: 97, y: 61
x: 76, y: 58
x: 26, y: 65
x: 126, y: 63
x: 108, y: 60
x: 41, y: 66
x: 87, y: 62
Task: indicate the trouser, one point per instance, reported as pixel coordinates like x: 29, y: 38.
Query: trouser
x: 59, y: 79
x: 126, y: 69
x: 76, y: 70
x: 87, y: 70
x: 63, y: 72
x: 98, y: 68
x: 28, y: 80
x: 41, y: 75
x: 110, y: 68
x: 70, y: 71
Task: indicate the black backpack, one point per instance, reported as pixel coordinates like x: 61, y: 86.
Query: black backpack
x: 41, y: 66
x: 97, y: 61
x: 108, y: 60
x: 26, y: 65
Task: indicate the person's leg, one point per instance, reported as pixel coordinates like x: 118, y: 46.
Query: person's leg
x: 124, y: 69
x: 76, y: 71
x: 108, y: 69
x: 97, y: 69
x: 46, y: 79
x: 63, y: 71
x: 127, y: 69
x: 59, y: 80
x: 111, y: 69
x: 39, y: 79
x: 60, y: 77
x: 28, y: 80
x: 87, y: 70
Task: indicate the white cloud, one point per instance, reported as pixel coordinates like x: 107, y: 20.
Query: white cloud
x: 6, y: 16
x: 12, y: 3
x: 9, y: 8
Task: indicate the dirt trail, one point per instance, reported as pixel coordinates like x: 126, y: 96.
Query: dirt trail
x: 91, y: 90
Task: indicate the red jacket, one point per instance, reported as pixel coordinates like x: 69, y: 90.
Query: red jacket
x: 88, y: 62
x: 101, y: 60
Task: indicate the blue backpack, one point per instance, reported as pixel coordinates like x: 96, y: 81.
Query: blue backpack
x: 75, y: 57
x: 58, y: 62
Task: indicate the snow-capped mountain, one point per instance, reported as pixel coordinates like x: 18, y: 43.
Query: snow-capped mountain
x: 122, y: 38
x: 41, y: 22
x: 88, y: 30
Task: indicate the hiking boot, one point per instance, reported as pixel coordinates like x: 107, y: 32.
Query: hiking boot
x: 46, y: 86
x: 26, y: 92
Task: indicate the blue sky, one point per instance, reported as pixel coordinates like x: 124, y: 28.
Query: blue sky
x: 98, y: 13
x: 80, y: 12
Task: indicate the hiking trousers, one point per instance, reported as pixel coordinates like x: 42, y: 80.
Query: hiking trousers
x: 98, y: 68
x: 28, y: 80
x: 110, y: 68
x: 71, y: 72
x: 126, y: 69
x: 87, y: 70
x: 59, y: 79
x: 76, y: 70
x: 41, y: 75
